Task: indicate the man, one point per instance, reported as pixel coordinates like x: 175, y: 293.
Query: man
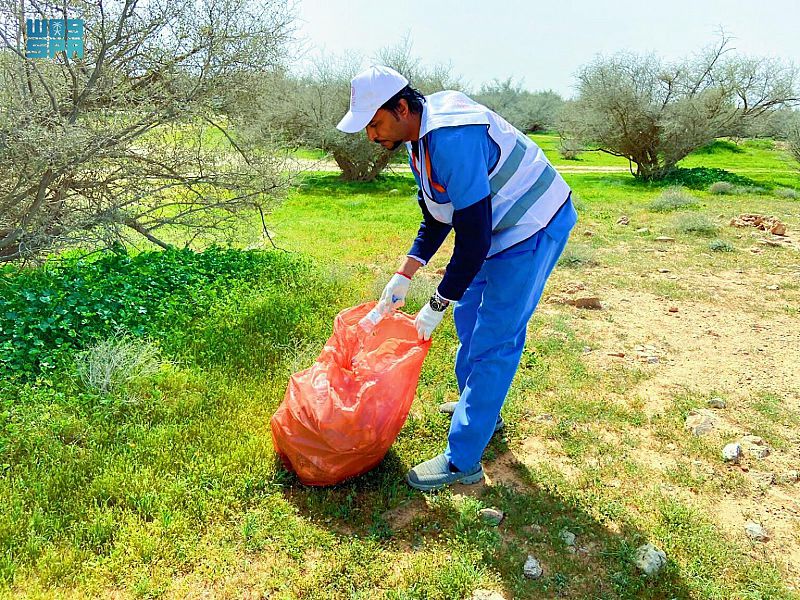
x: 511, y: 213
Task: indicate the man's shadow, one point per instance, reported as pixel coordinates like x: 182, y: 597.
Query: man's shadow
x: 381, y: 507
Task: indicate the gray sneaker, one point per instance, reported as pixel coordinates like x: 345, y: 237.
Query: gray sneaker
x: 434, y: 474
x: 449, y: 408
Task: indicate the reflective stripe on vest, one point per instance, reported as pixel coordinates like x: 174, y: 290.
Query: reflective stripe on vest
x: 529, y: 198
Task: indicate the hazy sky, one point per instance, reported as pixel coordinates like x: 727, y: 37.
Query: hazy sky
x: 543, y: 43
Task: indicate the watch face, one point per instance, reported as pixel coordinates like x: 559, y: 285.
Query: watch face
x: 438, y: 304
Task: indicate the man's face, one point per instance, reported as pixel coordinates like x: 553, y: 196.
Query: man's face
x: 389, y: 129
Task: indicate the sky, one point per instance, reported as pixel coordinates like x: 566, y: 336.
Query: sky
x: 543, y: 44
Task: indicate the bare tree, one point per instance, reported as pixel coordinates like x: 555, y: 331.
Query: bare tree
x: 654, y: 113
x: 128, y: 141
x: 307, y: 109
x: 527, y: 111
x: 794, y: 142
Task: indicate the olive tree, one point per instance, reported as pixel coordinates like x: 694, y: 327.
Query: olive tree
x: 527, y: 111
x: 655, y: 113
x: 128, y: 141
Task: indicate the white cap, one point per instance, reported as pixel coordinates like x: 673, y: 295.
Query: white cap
x: 369, y: 90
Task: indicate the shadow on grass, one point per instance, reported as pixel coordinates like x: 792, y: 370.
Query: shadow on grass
x: 379, y: 507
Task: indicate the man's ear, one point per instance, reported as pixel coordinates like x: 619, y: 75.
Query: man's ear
x: 402, y: 108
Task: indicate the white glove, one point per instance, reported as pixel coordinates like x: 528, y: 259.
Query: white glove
x: 394, y: 294
x: 426, y: 321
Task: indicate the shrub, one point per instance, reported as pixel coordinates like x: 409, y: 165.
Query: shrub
x: 719, y: 245
x: 719, y: 147
x: 696, y: 224
x: 699, y: 178
x: 671, y: 199
x: 577, y: 255
x: 788, y: 193
x: 570, y: 148
x: 49, y: 312
x: 722, y: 188
x: 112, y: 364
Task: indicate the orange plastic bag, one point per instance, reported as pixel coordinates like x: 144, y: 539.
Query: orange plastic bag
x: 340, y: 416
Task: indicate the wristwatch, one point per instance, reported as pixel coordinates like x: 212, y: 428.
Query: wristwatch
x: 438, y: 303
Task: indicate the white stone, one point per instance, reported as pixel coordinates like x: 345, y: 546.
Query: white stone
x: 717, y: 402
x: 532, y: 568
x: 698, y: 423
x: 756, y: 532
x: 491, y: 515
x: 650, y: 559
x: 568, y: 537
x: 732, y: 453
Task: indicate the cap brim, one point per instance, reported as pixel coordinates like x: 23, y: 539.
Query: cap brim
x: 353, y: 122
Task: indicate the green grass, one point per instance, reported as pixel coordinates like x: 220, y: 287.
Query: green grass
x: 172, y: 488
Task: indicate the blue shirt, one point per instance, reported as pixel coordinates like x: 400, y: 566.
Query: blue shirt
x: 461, y: 159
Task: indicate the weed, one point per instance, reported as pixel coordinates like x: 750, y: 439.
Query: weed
x: 722, y: 188
x: 577, y: 255
x: 111, y: 365
x: 718, y: 245
x: 673, y: 198
x: 695, y: 224
x: 787, y: 193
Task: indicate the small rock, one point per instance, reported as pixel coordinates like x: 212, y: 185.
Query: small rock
x: 673, y: 309
x: 587, y: 349
x: 716, y: 402
x: 545, y: 418
x: 652, y: 360
x: 587, y: 302
x: 492, y: 516
x: 756, y: 532
x: 650, y: 559
x: 588, y: 233
x: 778, y: 229
x: 732, y: 453
x: 486, y: 595
x: 623, y: 220
x: 789, y: 477
x: 663, y: 270
x: 755, y: 446
x: 773, y: 288
x: 568, y: 537
x: 394, y: 191
x: 698, y: 423
x: 664, y: 238
x: 617, y: 354
x: 532, y: 568
x: 643, y: 230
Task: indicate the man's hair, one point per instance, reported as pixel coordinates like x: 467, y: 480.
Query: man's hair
x: 413, y: 97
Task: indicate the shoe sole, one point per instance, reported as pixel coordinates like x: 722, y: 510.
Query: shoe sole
x: 445, y: 409
x: 466, y: 480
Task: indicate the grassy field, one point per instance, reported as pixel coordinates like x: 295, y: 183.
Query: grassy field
x: 167, y: 486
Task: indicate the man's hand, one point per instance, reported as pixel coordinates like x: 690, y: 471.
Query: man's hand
x: 430, y: 316
x: 394, y: 294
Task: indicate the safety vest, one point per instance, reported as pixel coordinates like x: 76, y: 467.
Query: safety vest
x: 526, y: 191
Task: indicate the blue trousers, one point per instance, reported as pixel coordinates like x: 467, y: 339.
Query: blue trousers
x: 491, y: 321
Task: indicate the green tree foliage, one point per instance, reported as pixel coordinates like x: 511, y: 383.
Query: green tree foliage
x: 655, y: 113
x: 527, y: 111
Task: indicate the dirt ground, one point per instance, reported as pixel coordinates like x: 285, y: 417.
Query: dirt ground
x: 727, y: 346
